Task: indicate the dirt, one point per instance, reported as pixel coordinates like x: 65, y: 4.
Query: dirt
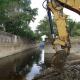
x: 70, y: 70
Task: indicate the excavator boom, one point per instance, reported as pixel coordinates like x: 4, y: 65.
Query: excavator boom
x: 73, y: 5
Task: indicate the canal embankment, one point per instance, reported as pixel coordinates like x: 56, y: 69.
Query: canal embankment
x: 12, y: 67
x: 11, y: 44
x: 17, y: 56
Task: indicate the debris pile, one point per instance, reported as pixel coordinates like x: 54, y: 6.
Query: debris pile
x: 70, y: 72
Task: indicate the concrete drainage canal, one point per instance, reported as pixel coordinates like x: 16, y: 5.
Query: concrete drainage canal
x: 22, y: 66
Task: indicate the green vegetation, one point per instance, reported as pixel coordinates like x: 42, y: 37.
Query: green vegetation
x: 15, y: 16
x: 44, y: 29
x: 73, y: 27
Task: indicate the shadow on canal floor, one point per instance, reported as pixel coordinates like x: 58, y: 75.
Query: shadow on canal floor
x: 21, y: 66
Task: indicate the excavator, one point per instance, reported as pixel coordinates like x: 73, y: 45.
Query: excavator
x: 60, y: 38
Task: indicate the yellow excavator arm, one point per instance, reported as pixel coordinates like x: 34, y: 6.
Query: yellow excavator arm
x: 61, y: 26
x: 73, y: 5
x: 56, y: 7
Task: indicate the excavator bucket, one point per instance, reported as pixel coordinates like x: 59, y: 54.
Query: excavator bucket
x: 59, y: 59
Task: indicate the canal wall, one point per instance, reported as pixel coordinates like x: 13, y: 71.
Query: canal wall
x: 13, y: 66
x: 12, y: 44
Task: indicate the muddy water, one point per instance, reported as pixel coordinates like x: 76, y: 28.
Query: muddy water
x: 22, y: 66
x: 36, y: 67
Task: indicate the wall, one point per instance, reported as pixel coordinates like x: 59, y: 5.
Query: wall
x: 11, y: 44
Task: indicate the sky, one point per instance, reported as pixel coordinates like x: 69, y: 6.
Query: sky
x: 42, y: 12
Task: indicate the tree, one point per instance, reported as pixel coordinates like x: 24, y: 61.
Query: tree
x: 15, y: 16
x: 44, y: 28
x: 73, y: 27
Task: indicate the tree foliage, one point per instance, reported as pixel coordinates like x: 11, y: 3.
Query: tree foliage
x: 73, y: 27
x: 15, y: 16
x: 43, y: 28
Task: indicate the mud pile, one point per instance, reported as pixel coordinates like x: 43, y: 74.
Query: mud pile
x: 71, y: 71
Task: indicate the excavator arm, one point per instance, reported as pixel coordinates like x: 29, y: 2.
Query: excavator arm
x: 61, y: 42
x: 61, y: 26
x: 73, y: 5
